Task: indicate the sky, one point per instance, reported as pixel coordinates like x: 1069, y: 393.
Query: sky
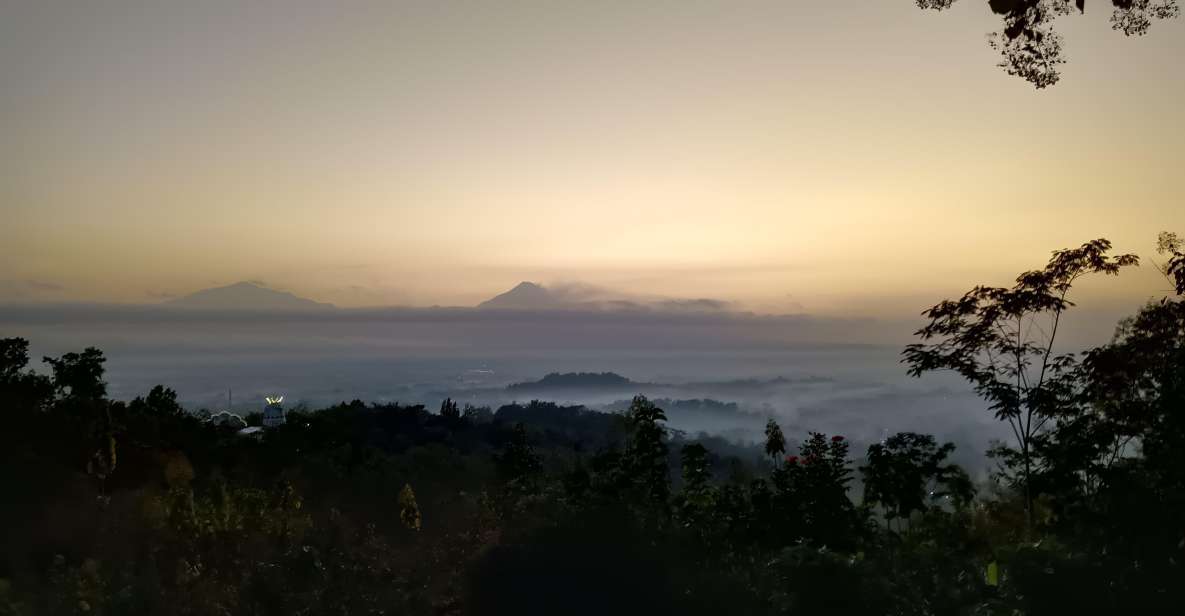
x: 848, y: 157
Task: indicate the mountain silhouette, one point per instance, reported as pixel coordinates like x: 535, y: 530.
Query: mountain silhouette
x: 246, y: 296
x: 525, y: 296
x: 576, y: 296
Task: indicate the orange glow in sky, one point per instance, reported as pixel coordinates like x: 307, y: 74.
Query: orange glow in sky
x: 847, y: 157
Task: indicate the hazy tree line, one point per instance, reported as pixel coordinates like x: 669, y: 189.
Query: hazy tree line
x: 113, y: 507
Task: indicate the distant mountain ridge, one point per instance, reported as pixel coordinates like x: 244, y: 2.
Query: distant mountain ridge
x: 246, y: 296
x: 574, y: 296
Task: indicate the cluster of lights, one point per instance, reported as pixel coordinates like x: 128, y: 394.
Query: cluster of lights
x: 276, y: 400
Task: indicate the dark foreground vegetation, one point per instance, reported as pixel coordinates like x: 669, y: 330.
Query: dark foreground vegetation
x: 139, y: 507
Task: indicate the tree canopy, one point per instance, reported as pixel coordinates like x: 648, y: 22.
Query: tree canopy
x: 1032, y: 49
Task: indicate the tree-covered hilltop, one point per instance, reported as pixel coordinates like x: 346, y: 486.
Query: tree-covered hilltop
x: 574, y: 380
x: 138, y: 507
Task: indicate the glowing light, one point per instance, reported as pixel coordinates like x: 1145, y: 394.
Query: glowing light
x: 276, y: 400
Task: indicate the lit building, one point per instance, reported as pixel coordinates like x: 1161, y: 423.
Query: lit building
x: 273, y: 413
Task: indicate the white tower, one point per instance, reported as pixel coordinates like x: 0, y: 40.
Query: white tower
x: 273, y: 413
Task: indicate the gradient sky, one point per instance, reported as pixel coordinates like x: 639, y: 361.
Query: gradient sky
x: 833, y: 156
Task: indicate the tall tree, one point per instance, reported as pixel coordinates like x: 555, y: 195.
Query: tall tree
x: 1001, y: 339
x: 450, y: 411
x: 646, y: 451
x: 694, y: 504
x: 775, y: 442
x: 817, y: 484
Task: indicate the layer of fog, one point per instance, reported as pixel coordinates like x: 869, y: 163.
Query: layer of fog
x: 829, y: 375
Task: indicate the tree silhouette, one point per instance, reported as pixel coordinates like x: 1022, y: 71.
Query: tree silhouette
x: 14, y: 356
x: 477, y: 414
x: 646, y: 451
x: 697, y: 498
x: 20, y: 388
x: 160, y: 401
x: 518, y: 461
x: 79, y: 375
x: 814, y: 484
x: 1135, y: 385
x: 1174, y: 269
x: 908, y: 473
x: 775, y: 442
x: 450, y: 411
x: 993, y: 337
x: 1032, y: 50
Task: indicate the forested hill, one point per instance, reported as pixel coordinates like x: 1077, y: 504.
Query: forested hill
x: 575, y: 380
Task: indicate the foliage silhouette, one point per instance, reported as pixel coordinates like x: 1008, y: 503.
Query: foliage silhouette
x: 1030, y: 47
x: 992, y: 336
x: 775, y: 441
x: 907, y: 474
